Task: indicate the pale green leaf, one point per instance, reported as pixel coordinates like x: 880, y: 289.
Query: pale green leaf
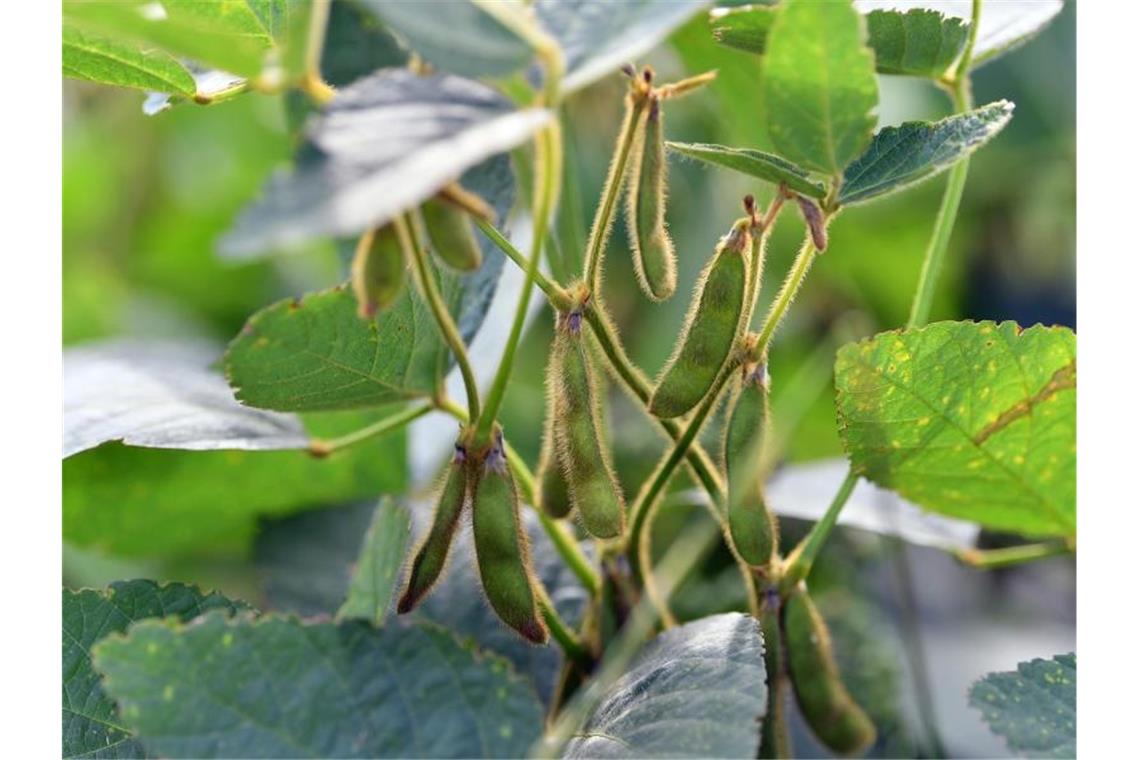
x: 377, y: 571
x: 744, y: 27
x: 277, y: 687
x: 918, y: 150
x: 695, y: 691
x: 819, y: 85
x: 97, y: 59
x: 91, y: 724
x: 970, y: 419
x: 1034, y: 707
x: 755, y: 163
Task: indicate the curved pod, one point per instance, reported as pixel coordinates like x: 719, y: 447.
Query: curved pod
x: 654, y: 259
x: 751, y: 524
x: 378, y: 271
x: 431, y: 557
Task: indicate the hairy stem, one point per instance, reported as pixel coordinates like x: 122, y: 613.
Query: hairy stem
x: 547, y: 180
x: 553, y: 291
x: 319, y: 447
x: 312, y: 82
x: 409, y: 239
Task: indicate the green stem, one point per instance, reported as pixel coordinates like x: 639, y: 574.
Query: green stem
x: 563, y: 634
x: 564, y: 542
x: 614, y: 179
x: 312, y: 83
x: 322, y: 447
x: 409, y: 237
x: 552, y: 290
x: 799, y: 562
x: 788, y: 291
x: 989, y: 559
x: 548, y: 173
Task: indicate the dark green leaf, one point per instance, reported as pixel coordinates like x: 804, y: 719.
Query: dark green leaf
x: 970, y: 419
x: 598, y: 36
x: 377, y: 571
x: 356, y: 44
x: 139, y: 502
x: 1005, y: 25
x: 385, y: 144
x: 755, y: 163
x: 919, y: 42
x: 226, y: 34
x: 1034, y: 708
x: 455, y: 36
x: 918, y: 150
x: 276, y: 687
x: 819, y: 85
x: 694, y: 691
x: 316, y: 353
x: 161, y: 395
x: 91, y: 725
x: 94, y: 58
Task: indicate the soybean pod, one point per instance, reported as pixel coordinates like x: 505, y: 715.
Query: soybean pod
x: 378, y: 271
x: 711, y: 328
x: 553, y: 494
x: 502, y: 549
x: 751, y: 524
x: 431, y: 557
x: 773, y: 733
x: 452, y: 235
x: 575, y: 391
x: 828, y: 708
x: 654, y: 259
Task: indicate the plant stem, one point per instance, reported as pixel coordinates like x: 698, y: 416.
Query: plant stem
x: 410, y: 241
x: 547, y: 180
x: 562, y: 633
x: 552, y: 290
x: 323, y: 447
x: 564, y: 543
x: 614, y: 180
x: 989, y: 559
x: 788, y: 291
x: 799, y: 562
x: 312, y: 82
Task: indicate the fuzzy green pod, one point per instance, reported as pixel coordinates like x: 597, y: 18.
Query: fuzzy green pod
x: 654, y: 259
x: 378, y: 270
x: 452, y: 235
x: 553, y: 493
x: 833, y: 715
x: 431, y: 557
x: 502, y: 549
x: 710, y: 329
x: 575, y: 396
x: 750, y: 523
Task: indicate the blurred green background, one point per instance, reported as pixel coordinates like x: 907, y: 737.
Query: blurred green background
x: 145, y: 199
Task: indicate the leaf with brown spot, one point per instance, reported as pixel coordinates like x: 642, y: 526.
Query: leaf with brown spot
x: 974, y: 420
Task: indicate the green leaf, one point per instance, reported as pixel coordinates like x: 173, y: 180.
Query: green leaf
x: 819, y: 85
x: 918, y: 150
x: 161, y: 394
x: 356, y: 175
x: 316, y: 353
x: 598, y: 36
x: 919, y: 42
x: 139, y: 502
x: 378, y: 567
x: 96, y: 59
x: 91, y: 724
x: 226, y: 34
x: 1034, y: 707
x: 1005, y: 25
x: 694, y: 691
x: 277, y: 687
x: 305, y: 560
x: 970, y: 419
x: 755, y: 163
x: 456, y: 36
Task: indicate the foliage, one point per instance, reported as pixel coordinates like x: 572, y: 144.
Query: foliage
x: 448, y: 132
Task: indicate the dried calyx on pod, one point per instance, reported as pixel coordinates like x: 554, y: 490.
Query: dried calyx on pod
x: 574, y: 397
x: 711, y: 328
x: 378, y: 270
x: 502, y: 547
x: 813, y: 218
x: 752, y: 525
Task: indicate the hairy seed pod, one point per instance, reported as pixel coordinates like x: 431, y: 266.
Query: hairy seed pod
x: 833, y: 715
x: 750, y: 523
x: 553, y: 493
x: 378, y: 271
x: 575, y: 398
x: 452, y: 235
x: 431, y: 557
x: 654, y: 259
x: 813, y: 218
x: 710, y: 329
x: 502, y: 548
